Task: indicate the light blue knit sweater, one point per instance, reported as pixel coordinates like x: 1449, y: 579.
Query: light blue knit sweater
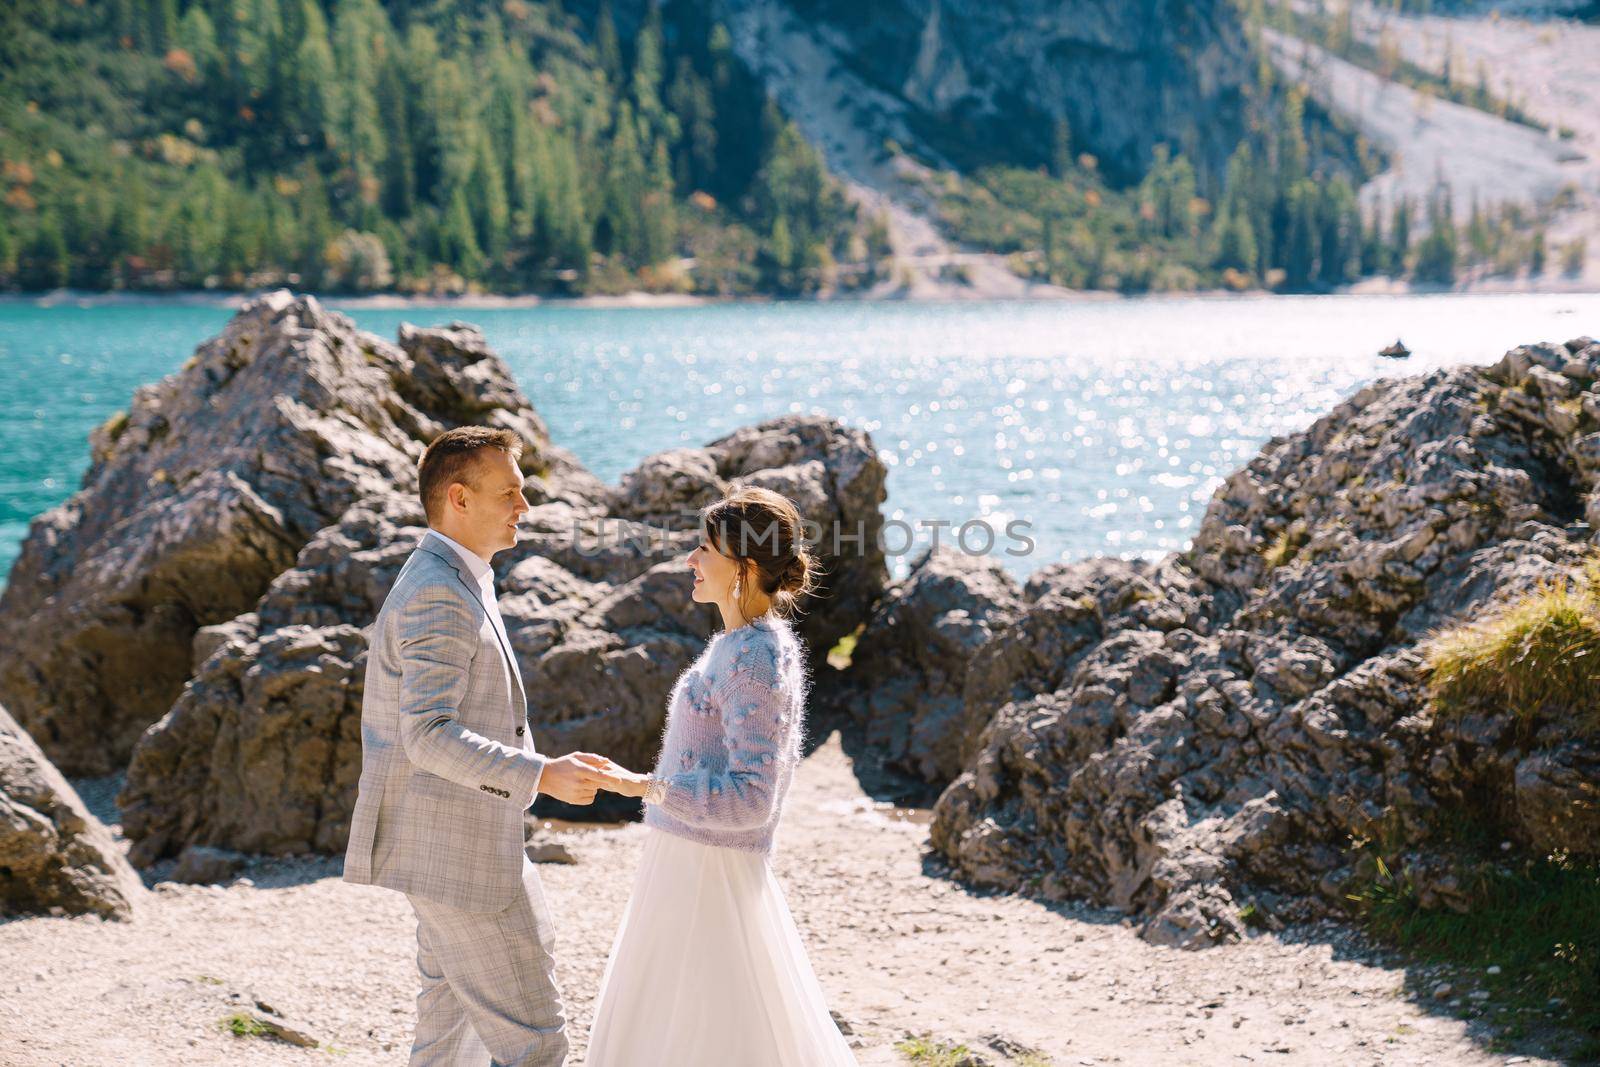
x: 732, y: 738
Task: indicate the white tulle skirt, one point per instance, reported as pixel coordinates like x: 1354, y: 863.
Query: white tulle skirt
x: 708, y: 970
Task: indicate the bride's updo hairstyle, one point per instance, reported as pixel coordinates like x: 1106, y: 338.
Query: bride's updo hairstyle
x: 761, y: 531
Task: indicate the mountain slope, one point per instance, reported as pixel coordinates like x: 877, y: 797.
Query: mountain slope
x: 916, y: 147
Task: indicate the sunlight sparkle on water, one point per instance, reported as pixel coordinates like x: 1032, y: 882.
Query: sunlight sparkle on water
x: 1105, y: 426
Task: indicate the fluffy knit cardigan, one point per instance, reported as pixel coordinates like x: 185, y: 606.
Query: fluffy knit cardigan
x: 732, y: 738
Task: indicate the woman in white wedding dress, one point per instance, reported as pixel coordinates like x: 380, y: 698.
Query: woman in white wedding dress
x: 707, y: 968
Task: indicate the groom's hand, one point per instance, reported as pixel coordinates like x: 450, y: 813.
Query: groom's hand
x: 571, y: 780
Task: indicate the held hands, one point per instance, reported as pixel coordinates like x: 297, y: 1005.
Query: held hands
x: 573, y: 779
x: 613, y: 777
x: 577, y: 776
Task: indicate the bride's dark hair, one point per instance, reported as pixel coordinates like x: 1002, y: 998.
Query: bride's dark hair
x: 762, y: 532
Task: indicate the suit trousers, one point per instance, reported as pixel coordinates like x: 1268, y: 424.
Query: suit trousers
x: 489, y: 993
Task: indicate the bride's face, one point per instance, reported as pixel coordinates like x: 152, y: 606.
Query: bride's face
x: 713, y: 573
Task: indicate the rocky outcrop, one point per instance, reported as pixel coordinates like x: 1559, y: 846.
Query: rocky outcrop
x: 55, y: 857
x: 957, y: 639
x: 1248, y: 722
x: 262, y: 751
x: 909, y: 669
x: 205, y: 490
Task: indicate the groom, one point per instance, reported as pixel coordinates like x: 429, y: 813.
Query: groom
x: 448, y: 768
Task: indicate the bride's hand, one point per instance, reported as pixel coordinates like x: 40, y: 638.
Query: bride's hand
x: 616, y: 778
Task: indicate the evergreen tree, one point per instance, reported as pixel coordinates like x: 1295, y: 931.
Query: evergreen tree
x: 308, y: 95
x: 453, y: 127
x: 1400, y: 237
x: 313, y: 226
x: 422, y: 59
x: 1478, y: 236
x: 620, y: 225
x: 606, y: 47
x: 1061, y: 157
x: 47, y: 264
x: 1169, y: 188
x: 566, y: 230
x: 8, y: 254
x: 690, y: 100
x: 1237, y: 245
x: 197, y: 36
x: 660, y: 223
x: 780, y: 252
x: 359, y: 42
x: 1436, y: 252
x: 1339, y: 258
x: 399, y: 162
x: 458, y: 243
x: 161, y: 25
x: 1300, y: 258
x: 645, y: 86
x: 487, y: 194
x: 1374, y: 253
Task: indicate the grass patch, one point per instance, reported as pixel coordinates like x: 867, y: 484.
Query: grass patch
x: 243, y: 1024
x: 1286, y: 546
x: 926, y: 1052
x: 1252, y: 916
x: 1532, y: 916
x: 840, y: 654
x: 1539, y: 653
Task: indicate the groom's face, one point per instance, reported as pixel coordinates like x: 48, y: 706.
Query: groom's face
x: 493, y: 505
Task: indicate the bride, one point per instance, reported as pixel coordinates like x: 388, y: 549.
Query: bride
x: 707, y: 968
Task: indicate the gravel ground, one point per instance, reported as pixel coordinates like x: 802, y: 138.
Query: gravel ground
x: 899, y: 949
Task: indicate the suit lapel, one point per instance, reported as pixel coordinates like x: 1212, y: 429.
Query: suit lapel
x: 446, y: 553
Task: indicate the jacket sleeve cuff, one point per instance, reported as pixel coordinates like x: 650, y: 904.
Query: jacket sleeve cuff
x: 530, y: 775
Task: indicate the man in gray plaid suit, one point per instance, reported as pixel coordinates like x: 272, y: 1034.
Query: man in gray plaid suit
x: 448, y: 768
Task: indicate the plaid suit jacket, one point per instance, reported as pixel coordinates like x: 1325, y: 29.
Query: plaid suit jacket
x: 448, y: 764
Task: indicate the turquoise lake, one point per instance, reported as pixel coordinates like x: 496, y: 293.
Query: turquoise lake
x: 1098, y: 427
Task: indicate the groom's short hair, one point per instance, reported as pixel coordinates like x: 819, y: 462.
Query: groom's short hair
x: 453, y: 456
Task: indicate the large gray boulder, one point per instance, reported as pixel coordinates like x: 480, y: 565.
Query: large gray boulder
x: 1250, y: 722
x: 908, y: 675
x: 262, y: 751
x: 55, y: 857
x: 205, y: 490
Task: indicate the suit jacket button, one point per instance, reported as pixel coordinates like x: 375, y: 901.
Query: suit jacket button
x: 484, y: 788
x: 519, y: 731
